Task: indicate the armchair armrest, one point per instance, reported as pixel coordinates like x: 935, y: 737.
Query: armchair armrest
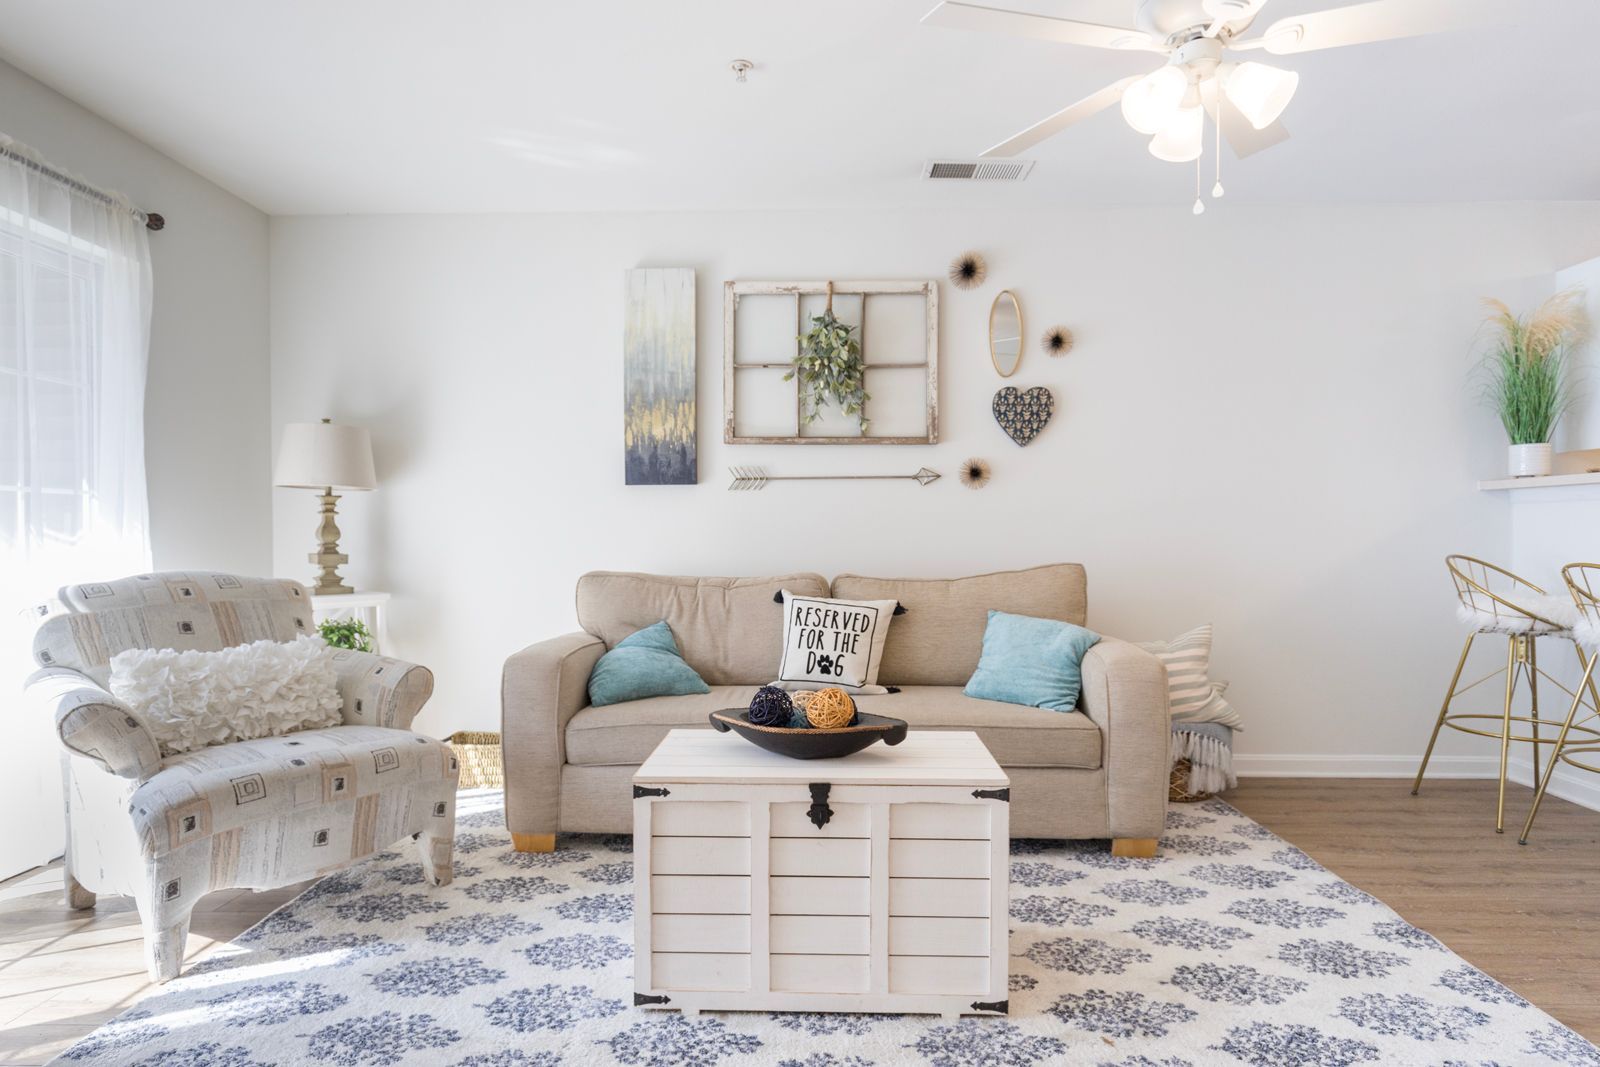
x: 1125, y: 695
x: 379, y: 690
x: 542, y: 687
x: 92, y: 723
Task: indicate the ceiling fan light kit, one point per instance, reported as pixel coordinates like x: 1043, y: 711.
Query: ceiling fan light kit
x: 1170, y: 104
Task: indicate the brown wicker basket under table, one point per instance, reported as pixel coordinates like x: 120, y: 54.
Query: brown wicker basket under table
x: 1178, y: 785
x: 479, y: 753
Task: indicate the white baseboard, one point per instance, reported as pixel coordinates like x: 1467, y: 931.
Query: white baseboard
x: 1577, y: 786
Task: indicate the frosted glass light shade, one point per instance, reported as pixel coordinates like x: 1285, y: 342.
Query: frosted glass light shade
x: 1149, y: 103
x: 319, y: 455
x: 1180, y: 141
x: 1260, y: 92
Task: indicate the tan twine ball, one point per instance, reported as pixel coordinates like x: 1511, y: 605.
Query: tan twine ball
x: 830, y: 709
x: 802, y: 698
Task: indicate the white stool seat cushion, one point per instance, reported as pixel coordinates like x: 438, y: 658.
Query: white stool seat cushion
x: 1559, y: 609
x: 1586, y: 631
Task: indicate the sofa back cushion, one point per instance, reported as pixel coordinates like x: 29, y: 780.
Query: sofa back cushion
x: 183, y: 610
x: 940, y: 637
x: 728, y: 629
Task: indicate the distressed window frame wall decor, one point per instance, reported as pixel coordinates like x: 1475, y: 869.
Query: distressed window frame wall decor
x: 733, y: 291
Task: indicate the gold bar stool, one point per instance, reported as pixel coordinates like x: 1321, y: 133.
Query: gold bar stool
x: 1495, y: 601
x: 1581, y: 579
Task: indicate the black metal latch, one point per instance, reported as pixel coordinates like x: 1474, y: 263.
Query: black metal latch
x: 993, y: 794
x: 647, y: 791
x: 646, y: 998
x: 819, y: 812
x: 1001, y: 1006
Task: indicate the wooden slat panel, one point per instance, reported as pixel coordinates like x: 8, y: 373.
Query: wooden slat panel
x: 938, y: 937
x: 700, y: 970
x: 849, y: 935
x: 939, y: 896
x: 832, y: 857
x: 938, y: 859
x: 940, y: 822
x: 680, y: 894
x: 849, y: 820
x: 821, y: 896
x: 938, y: 974
x: 700, y: 855
x: 700, y: 933
x: 820, y: 974
x: 700, y: 818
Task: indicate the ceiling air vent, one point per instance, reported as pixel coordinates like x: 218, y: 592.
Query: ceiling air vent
x: 977, y: 170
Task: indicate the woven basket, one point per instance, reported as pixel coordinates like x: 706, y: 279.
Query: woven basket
x: 1178, y: 785
x: 479, y: 753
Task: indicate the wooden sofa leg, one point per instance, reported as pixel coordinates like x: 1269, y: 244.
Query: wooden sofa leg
x: 1140, y: 848
x: 533, y: 842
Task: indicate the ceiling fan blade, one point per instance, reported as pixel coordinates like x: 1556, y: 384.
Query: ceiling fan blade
x: 1377, y: 20
x: 960, y: 16
x: 1243, y: 138
x: 1224, y: 12
x: 1092, y: 104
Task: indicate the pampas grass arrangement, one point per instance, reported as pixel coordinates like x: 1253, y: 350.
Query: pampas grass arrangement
x: 1527, y: 365
x: 968, y: 270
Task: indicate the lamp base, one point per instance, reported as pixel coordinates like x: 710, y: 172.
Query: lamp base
x: 327, y: 556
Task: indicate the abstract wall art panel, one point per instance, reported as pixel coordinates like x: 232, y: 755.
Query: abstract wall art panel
x: 658, y: 353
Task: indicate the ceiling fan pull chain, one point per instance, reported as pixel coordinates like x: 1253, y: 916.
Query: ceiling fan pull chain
x: 1216, y: 190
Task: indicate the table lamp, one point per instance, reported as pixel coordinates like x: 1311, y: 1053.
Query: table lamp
x: 320, y: 455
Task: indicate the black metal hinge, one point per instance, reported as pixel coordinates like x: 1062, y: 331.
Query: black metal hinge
x: 1001, y: 1006
x: 647, y: 791
x: 993, y: 794
x: 646, y: 998
x: 819, y: 812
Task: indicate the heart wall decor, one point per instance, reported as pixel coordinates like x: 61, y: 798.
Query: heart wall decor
x: 1023, y: 414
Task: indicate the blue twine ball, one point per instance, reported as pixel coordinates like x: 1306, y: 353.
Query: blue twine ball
x: 798, y: 720
x: 769, y: 707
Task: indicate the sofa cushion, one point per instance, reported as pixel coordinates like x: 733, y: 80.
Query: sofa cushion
x: 940, y: 637
x: 624, y: 734
x: 728, y: 629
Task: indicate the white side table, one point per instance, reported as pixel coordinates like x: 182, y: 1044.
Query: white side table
x: 370, y: 608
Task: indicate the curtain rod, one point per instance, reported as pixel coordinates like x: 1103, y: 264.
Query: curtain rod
x: 151, y: 220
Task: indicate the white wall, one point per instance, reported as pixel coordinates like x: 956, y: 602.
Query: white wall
x: 206, y: 425
x: 1267, y: 424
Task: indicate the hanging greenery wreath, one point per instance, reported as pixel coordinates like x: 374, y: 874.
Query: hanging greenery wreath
x: 830, y: 368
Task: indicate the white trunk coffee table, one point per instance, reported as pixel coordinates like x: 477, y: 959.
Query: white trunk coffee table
x: 875, y: 883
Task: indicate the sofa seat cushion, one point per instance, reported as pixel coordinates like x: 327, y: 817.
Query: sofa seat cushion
x: 1015, y: 736
x: 358, y: 784
x: 625, y: 734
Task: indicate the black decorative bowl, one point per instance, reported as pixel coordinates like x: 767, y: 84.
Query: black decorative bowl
x: 812, y: 743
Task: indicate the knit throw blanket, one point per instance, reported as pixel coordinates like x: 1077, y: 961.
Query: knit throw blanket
x: 1208, y: 747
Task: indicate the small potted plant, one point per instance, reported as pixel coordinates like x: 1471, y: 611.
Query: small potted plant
x: 1527, y: 368
x: 346, y: 633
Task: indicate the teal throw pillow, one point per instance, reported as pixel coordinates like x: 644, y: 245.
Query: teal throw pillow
x: 646, y: 663
x: 1037, y: 662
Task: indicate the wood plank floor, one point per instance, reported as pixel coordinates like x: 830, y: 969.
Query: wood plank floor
x: 1529, y: 916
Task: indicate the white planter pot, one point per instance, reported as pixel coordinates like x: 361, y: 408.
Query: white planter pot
x: 1529, y: 461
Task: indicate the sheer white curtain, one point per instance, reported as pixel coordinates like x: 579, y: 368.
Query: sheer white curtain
x: 75, y: 292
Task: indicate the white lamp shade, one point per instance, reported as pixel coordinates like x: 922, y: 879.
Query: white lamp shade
x: 1150, y: 103
x: 1180, y: 141
x: 1260, y: 92
x: 318, y: 455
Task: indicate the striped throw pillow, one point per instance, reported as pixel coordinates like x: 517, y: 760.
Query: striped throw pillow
x: 1195, y: 698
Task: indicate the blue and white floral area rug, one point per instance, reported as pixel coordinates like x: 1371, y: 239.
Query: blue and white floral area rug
x: 1232, y: 947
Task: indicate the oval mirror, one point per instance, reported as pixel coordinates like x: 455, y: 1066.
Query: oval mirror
x: 1005, y: 333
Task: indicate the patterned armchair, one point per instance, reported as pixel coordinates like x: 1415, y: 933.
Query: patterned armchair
x: 253, y: 814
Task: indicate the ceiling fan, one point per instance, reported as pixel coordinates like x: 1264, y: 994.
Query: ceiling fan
x: 1201, y: 76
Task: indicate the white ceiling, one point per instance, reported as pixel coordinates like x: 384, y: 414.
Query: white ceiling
x: 307, y: 106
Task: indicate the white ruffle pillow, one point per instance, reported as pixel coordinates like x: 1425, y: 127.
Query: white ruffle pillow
x: 189, y: 700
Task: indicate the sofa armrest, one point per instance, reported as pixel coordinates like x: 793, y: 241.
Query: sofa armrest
x: 542, y: 687
x: 1125, y: 695
x: 93, y: 723
x: 380, y: 690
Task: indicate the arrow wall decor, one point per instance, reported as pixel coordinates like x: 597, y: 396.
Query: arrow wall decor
x: 757, y: 477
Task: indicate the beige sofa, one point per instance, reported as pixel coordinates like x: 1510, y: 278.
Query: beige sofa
x: 1098, y: 774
